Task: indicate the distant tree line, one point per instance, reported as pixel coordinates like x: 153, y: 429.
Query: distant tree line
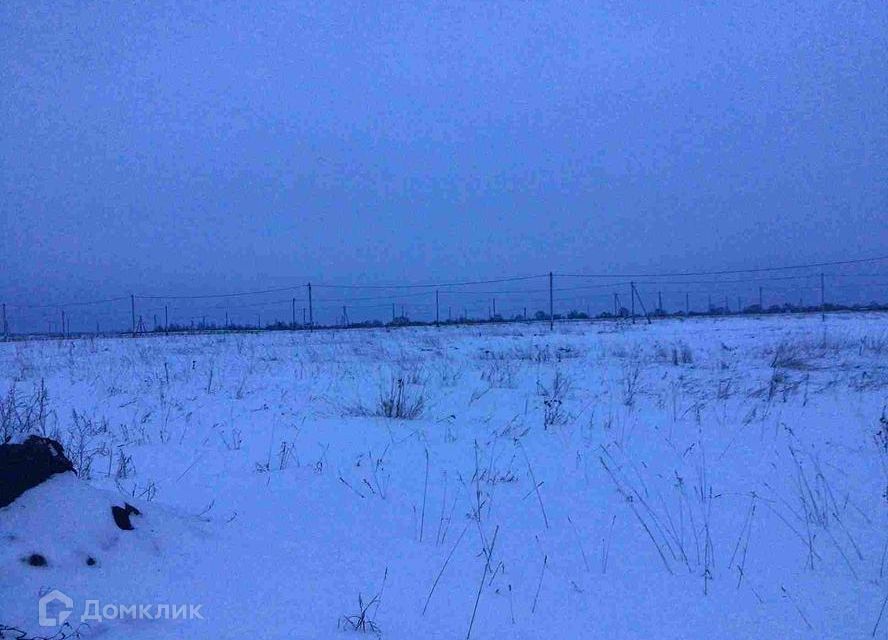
x: 539, y: 316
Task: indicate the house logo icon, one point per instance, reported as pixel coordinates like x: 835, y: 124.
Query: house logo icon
x: 54, y: 608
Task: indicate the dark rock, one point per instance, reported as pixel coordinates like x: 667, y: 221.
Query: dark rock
x: 90, y: 561
x: 122, y: 516
x: 24, y: 466
x: 36, y: 560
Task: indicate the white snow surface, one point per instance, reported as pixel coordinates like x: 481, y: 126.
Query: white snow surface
x: 703, y: 478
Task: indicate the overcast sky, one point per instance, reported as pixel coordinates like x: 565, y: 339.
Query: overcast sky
x: 153, y: 148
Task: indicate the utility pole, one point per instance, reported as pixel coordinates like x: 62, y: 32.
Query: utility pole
x: 687, y: 303
x: 311, y: 321
x: 494, y: 308
x: 393, y: 312
x: 616, y: 304
x: 5, y: 325
x: 525, y: 314
x: 761, y: 306
x: 293, y: 320
x: 551, y: 305
x: 822, y: 298
x: 133, y: 312
x: 710, y: 303
x: 64, y: 333
x: 739, y: 304
x: 155, y: 322
x: 659, y: 302
x: 166, y: 318
x: 437, y: 315
x: 641, y: 302
x: 226, y: 319
x: 632, y: 297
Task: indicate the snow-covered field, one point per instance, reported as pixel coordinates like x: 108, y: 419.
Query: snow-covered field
x: 710, y: 478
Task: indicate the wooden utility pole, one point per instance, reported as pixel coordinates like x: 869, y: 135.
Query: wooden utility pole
x: 393, y: 312
x: 551, y: 305
x: 64, y: 333
x: 494, y: 308
x: 166, y: 318
x: 640, y: 302
x: 310, y: 310
x: 659, y: 302
x: 761, y: 306
x: 632, y: 297
x: 616, y: 304
x: 5, y: 325
x: 643, y: 309
x: 133, y: 312
x: 293, y: 315
x: 687, y: 303
x: 822, y: 298
x: 437, y: 315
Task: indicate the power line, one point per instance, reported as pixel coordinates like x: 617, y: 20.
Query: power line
x: 429, y: 285
x: 811, y: 265
x: 79, y: 303
x: 464, y: 289
x: 222, y: 295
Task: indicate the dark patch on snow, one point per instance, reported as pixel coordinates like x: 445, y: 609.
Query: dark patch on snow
x: 122, y: 515
x: 90, y: 561
x: 36, y: 560
x: 24, y: 466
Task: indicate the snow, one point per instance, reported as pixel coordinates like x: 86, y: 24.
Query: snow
x: 698, y: 478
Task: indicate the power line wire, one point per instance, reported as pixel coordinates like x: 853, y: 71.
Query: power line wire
x: 430, y: 285
x: 811, y: 265
x: 79, y: 303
